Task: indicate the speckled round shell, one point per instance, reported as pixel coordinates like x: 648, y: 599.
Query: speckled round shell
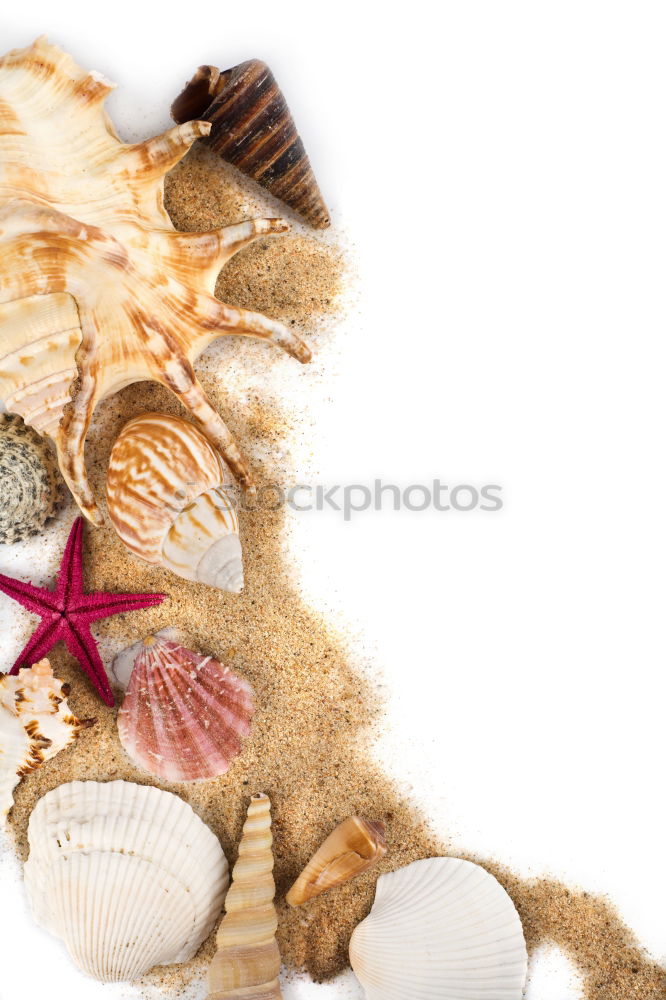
x: 169, y: 498
x: 184, y: 714
x: 440, y: 928
x: 127, y: 875
x: 30, y: 485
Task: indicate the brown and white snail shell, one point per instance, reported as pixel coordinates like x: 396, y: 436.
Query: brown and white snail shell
x: 170, y: 500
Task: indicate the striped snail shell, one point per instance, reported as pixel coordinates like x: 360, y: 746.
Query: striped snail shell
x: 30, y: 485
x: 170, y: 500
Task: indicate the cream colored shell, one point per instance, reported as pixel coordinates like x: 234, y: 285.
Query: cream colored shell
x: 97, y: 289
x: 441, y: 927
x: 35, y: 725
x: 170, y: 499
x: 247, y: 961
x: 127, y: 875
x: 352, y: 848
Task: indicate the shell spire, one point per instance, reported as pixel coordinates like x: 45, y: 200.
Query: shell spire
x: 247, y: 961
x: 97, y: 289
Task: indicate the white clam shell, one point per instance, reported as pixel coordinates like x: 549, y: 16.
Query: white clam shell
x: 90, y: 829
x: 440, y: 929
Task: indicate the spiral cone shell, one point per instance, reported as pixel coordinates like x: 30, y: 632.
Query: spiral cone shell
x: 35, y: 725
x: 184, y: 714
x: 97, y: 289
x: 441, y: 927
x: 253, y: 129
x: 247, y: 961
x: 127, y: 875
x: 169, y: 498
x: 352, y: 848
x: 29, y: 481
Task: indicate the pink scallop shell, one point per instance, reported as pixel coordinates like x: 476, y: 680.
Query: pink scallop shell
x: 184, y: 714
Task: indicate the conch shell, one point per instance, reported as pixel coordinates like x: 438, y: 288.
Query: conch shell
x: 247, y: 961
x: 35, y: 725
x: 352, y: 848
x: 30, y: 484
x: 97, y: 289
x: 252, y: 128
x: 184, y: 714
x: 170, y: 499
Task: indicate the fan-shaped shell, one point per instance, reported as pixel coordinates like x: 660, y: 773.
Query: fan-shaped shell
x: 440, y: 928
x: 127, y: 875
x: 247, y: 961
x: 184, y: 713
x: 35, y: 725
x: 169, y: 498
x: 354, y: 846
x: 29, y: 481
x: 97, y: 289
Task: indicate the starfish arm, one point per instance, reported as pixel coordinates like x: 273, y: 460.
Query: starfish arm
x: 69, y: 584
x: 100, y: 605
x: 82, y: 646
x: 41, y: 642
x: 35, y: 599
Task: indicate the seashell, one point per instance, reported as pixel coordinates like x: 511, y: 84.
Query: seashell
x: 169, y: 498
x: 97, y: 289
x: 247, y: 960
x: 29, y: 481
x: 127, y: 875
x: 35, y: 725
x: 352, y: 848
x: 183, y: 714
x: 252, y: 129
x: 441, y: 927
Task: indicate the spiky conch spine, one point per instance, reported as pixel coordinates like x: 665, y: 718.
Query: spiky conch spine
x: 247, y: 961
x: 97, y: 289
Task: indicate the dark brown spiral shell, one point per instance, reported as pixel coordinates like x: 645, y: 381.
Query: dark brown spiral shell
x: 253, y: 129
x: 30, y: 486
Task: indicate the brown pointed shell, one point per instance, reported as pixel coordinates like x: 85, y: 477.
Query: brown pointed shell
x: 97, y: 289
x: 352, y: 848
x: 252, y: 128
x: 247, y: 960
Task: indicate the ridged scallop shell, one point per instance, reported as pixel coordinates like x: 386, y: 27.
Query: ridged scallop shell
x: 247, y: 961
x: 440, y: 928
x: 97, y: 289
x: 29, y: 481
x: 169, y: 498
x: 354, y: 846
x: 253, y: 129
x: 184, y: 713
x: 127, y: 875
x: 35, y: 725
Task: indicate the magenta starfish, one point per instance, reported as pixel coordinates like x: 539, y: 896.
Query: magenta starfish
x: 67, y: 613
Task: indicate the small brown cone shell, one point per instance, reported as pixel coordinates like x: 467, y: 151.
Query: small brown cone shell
x: 247, y: 961
x: 252, y: 128
x: 352, y: 848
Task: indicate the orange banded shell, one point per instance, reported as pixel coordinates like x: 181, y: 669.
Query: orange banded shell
x: 170, y: 499
x: 352, y: 848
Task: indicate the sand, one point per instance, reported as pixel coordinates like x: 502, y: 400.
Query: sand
x: 309, y: 749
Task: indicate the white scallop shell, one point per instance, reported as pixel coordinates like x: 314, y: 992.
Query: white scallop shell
x: 440, y: 929
x: 82, y: 833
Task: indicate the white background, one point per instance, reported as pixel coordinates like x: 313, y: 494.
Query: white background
x: 500, y: 168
